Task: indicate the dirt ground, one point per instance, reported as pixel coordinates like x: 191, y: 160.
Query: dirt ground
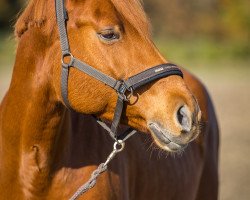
x: 230, y: 91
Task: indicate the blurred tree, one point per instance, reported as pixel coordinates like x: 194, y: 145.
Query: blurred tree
x: 223, y: 19
x: 182, y: 18
x: 8, y: 10
x: 235, y: 19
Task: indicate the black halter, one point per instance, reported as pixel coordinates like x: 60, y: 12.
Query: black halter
x: 122, y: 87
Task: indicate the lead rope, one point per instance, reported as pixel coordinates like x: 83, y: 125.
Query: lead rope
x: 117, y: 148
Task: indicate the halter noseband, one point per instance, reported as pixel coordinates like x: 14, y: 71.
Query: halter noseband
x: 122, y: 87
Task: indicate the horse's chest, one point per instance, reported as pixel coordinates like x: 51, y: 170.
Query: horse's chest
x: 134, y: 177
x: 167, y: 178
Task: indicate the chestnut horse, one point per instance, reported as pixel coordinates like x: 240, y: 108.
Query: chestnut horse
x: 47, y: 152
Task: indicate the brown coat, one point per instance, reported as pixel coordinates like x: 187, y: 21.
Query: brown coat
x: 47, y: 152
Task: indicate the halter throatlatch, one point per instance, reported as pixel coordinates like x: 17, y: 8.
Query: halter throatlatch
x: 122, y: 87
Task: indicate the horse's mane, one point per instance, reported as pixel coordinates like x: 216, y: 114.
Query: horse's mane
x: 35, y: 15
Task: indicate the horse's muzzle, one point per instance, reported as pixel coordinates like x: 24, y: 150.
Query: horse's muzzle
x: 189, y: 130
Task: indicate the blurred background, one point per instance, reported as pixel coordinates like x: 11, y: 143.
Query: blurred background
x: 211, y: 38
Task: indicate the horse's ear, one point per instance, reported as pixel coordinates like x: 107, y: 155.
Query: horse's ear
x: 33, y: 15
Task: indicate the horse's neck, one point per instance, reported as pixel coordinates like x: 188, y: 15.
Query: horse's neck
x: 37, y: 138
x: 32, y: 122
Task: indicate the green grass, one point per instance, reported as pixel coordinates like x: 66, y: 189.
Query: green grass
x: 7, y: 50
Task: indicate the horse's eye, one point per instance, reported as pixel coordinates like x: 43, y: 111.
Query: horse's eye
x: 109, y: 35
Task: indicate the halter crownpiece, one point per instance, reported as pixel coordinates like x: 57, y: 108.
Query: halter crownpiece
x: 122, y: 87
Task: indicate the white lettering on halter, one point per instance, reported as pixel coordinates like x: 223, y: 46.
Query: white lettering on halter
x: 159, y: 69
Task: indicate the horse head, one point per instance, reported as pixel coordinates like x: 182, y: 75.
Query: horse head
x: 114, y: 37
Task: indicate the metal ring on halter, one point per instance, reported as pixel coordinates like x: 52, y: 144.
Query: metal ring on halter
x: 67, y: 55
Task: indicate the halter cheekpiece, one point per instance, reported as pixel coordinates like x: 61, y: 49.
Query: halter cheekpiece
x: 122, y: 87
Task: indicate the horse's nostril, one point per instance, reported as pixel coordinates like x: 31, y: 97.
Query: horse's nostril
x: 183, y: 117
x: 179, y: 115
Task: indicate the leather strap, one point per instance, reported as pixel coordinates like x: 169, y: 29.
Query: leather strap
x: 91, y: 71
x: 117, y: 115
x: 62, y: 17
x: 64, y: 85
x: 152, y: 74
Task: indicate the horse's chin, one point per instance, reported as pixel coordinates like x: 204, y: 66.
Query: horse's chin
x: 166, y: 141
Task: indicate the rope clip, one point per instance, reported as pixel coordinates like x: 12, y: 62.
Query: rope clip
x: 118, y: 147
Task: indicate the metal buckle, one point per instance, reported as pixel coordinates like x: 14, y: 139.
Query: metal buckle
x: 122, y: 90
